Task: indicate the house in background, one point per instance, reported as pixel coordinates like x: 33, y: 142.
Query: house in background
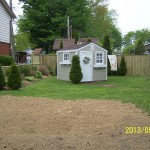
x: 6, y: 14
x: 66, y: 43
x: 147, y: 49
x: 71, y: 42
x: 93, y: 61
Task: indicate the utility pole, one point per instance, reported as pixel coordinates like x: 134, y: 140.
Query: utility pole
x: 11, y: 34
x: 68, y: 27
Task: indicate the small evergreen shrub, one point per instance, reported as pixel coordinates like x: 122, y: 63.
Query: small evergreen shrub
x: 122, y: 68
x: 75, y: 72
x: 14, y: 78
x: 6, y: 60
x: 2, y: 79
x: 61, y: 45
x: 108, y: 68
x: 38, y: 74
x: 44, y: 70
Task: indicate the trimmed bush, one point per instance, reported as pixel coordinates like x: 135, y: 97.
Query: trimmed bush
x: 76, y: 73
x: 108, y: 67
x: 14, y: 78
x: 122, y: 68
x: 6, y: 60
x: 2, y: 79
x: 61, y: 45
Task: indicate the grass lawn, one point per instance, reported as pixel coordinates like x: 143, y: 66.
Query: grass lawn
x: 134, y: 89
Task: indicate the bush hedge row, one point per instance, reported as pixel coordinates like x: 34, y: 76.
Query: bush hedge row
x: 6, y: 60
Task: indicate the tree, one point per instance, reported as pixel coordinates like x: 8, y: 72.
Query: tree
x: 47, y: 19
x: 106, y: 45
x: 139, y: 49
x: 22, y: 41
x: 122, y: 68
x: 2, y: 79
x: 131, y: 39
x: 61, y: 45
x: 14, y: 78
x: 75, y: 72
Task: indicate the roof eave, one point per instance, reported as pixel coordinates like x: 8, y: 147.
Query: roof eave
x: 11, y: 13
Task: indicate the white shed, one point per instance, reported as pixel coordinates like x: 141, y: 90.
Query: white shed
x: 93, y: 61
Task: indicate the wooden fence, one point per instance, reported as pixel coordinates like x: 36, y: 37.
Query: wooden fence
x: 136, y: 65
x: 48, y: 60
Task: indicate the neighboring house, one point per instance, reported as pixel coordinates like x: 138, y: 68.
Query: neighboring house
x: 93, y: 61
x: 28, y: 57
x: 147, y: 49
x: 66, y: 43
x: 6, y: 14
x: 39, y: 51
x: 93, y: 40
x: 69, y: 42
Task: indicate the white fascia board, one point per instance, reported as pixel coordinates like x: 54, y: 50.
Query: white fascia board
x: 66, y: 51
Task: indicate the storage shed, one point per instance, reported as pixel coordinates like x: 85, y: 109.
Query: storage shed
x: 93, y: 61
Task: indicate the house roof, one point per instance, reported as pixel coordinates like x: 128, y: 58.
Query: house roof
x: 37, y: 51
x: 8, y: 9
x: 147, y: 47
x: 74, y: 46
x: 66, y: 43
x: 93, y: 40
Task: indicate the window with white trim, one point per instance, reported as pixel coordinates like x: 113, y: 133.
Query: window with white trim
x: 66, y: 57
x: 99, y: 58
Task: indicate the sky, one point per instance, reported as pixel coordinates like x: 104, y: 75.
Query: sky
x: 132, y: 14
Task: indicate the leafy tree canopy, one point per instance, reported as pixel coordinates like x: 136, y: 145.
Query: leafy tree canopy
x: 46, y: 20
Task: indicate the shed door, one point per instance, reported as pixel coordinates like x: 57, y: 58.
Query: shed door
x: 86, y: 62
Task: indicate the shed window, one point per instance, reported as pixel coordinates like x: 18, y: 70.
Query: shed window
x: 66, y: 57
x: 99, y: 58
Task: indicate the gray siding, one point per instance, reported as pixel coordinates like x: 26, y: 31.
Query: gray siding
x: 63, y: 71
x: 4, y: 25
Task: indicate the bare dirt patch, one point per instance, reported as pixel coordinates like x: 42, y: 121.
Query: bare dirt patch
x: 28, y: 123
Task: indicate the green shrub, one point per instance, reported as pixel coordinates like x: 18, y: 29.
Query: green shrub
x: 76, y: 73
x: 14, y: 78
x: 38, y: 74
x: 25, y: 70
x: 6, y: 60
x: 29, y: 78
x: 44, y: 70
x: 122, y: 68
x: 2, y: 79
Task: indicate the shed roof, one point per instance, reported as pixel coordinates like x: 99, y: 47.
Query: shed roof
x: 8, y: 9
x: 66, y: 43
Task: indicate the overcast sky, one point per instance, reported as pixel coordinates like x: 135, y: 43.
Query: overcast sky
x: 132, y: 14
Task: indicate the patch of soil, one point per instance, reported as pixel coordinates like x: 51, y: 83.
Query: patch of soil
x: 28, y: 123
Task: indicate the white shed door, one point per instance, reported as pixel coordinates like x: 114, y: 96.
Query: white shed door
x: 87, y: 69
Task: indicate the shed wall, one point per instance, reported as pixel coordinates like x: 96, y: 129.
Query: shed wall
x: 63, y: 71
